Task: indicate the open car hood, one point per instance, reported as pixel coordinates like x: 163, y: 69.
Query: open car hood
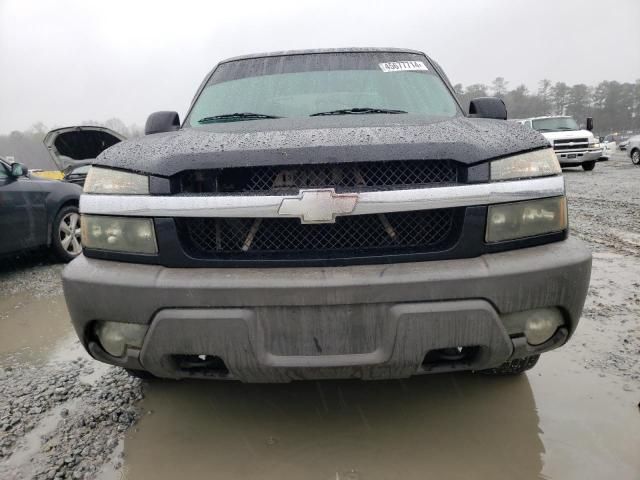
x: 79, y: 145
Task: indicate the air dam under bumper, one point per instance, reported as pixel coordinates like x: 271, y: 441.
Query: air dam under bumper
x: 373, y: 321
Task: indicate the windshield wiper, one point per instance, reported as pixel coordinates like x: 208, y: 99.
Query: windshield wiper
x: 356, y: 111
x: 232, y: 117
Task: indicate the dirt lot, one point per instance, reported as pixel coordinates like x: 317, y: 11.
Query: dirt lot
x: 575, y: 416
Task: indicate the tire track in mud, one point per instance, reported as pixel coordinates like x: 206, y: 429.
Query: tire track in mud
x: 613, y: 224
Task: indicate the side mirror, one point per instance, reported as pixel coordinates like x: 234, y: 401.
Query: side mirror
x: 159, y: 122
x: 590, y: 123
x: 601, y: 139
x: 17, y: 170
x: 488, y: 107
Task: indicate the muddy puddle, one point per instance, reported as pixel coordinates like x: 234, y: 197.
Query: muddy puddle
x: 32, y: 329
x: 553, y: 423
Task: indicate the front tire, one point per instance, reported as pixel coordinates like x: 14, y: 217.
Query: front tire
x: 588, y: 166
x: 513, y: 367
x: 66, y: 234
x: 635, y: 157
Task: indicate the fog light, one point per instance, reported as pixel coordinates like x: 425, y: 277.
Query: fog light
x: 115, y: 337
x: 542, y: 324
x: 539, y: 324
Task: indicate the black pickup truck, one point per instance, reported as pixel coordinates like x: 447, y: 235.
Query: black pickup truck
x: 327, y: 214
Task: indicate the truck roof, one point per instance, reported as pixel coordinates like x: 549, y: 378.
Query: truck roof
x: 323, y: 50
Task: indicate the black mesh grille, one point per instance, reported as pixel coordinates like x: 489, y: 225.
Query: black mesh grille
x: 358, y: 235
x: 353, y: 176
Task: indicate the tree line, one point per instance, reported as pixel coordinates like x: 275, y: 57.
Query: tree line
x: 614, y: 106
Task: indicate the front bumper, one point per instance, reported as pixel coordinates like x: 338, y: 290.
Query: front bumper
x: 578, y: 157
x: 372, y: 321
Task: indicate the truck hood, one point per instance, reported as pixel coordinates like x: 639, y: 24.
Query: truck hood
x: 350, y: 138
x: 70, y: 147
x: 567, y: 135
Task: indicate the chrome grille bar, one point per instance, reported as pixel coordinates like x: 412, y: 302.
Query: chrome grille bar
x: 268, y: 206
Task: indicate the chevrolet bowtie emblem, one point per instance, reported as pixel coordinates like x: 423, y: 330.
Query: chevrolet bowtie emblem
x: 318, y: 206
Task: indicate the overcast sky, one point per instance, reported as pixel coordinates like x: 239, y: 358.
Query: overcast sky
x: 66, y: 61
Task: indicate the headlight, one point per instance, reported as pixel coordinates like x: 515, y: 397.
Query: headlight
x: 593, y: 143
x: 120, y: 234
x: 105, y: 180
x: 526, y: 165
x: 510, y: 221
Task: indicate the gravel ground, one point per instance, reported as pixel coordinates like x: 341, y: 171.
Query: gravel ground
x: 604, y: 211
x: 33, y: 274
x: 605, y: 206
x: 66, y: 417
x: 88, y: 419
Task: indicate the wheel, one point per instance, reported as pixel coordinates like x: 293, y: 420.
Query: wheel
x: 66, y: 234
x: 635, y: 157
x: 142, y: 374
x: 588, y: 166
x: 513, y: 367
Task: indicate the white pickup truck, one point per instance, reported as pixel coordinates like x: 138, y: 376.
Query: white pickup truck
x: 572, y: 145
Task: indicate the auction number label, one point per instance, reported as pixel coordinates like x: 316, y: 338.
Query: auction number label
x: 402, y: 66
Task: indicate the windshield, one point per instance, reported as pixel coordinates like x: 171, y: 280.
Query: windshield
x: 364, y: 83
x: 555, y: 124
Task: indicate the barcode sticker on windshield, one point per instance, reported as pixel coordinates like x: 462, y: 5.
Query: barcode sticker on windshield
x: 402, y: 66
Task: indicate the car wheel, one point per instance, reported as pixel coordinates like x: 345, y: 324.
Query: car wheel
x: 513, y: 367
x: 588, y: 166
x: 66, y: 234
x: 635, y: 157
